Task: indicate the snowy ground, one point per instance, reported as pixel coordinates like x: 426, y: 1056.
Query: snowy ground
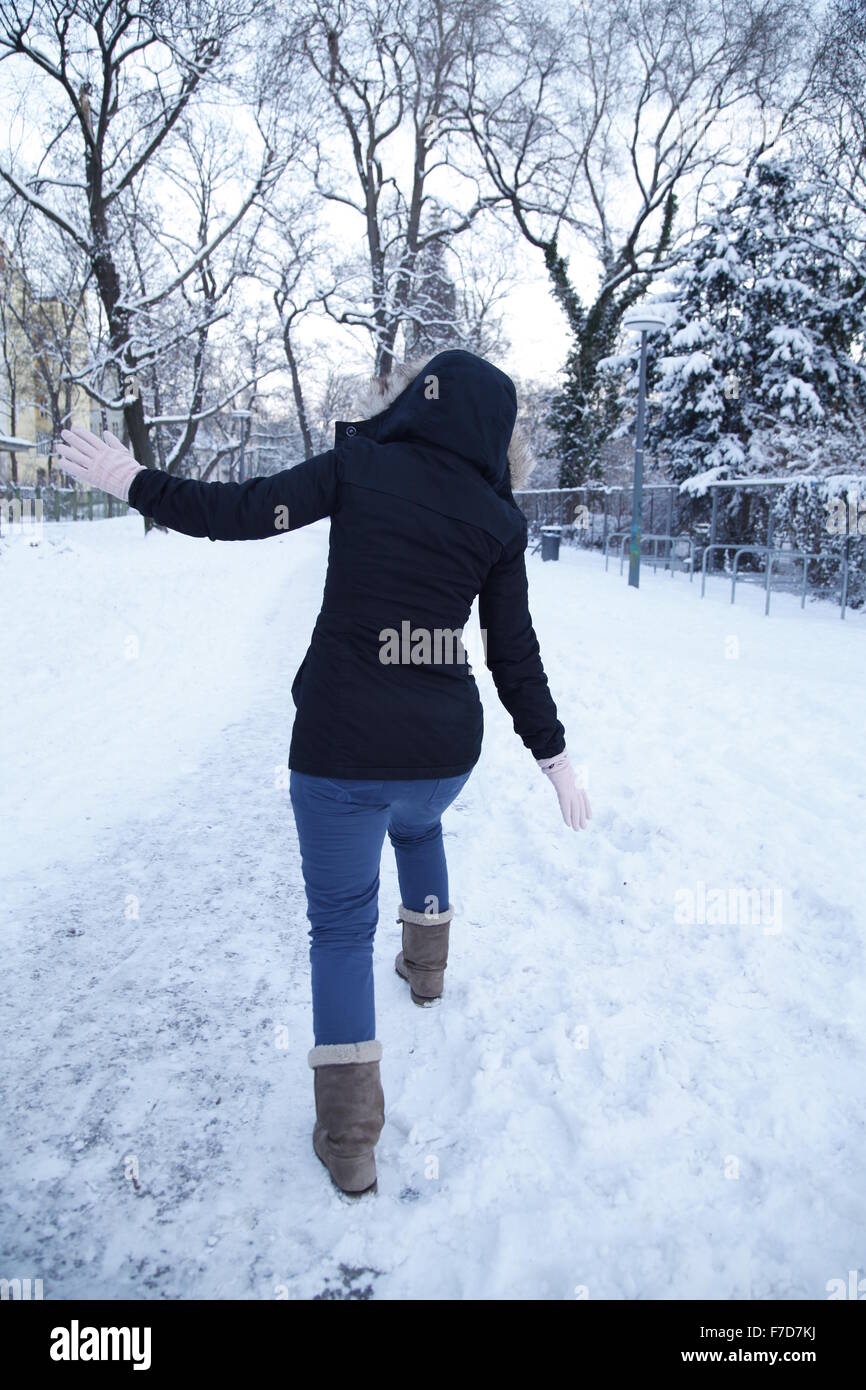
x: 631, y: 1089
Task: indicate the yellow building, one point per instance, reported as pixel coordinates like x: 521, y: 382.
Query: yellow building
x: 40, y: 338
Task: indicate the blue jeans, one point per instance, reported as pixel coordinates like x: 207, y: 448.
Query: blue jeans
x: 341, y: 829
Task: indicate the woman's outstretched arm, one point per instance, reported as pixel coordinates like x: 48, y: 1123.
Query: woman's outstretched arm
x: 247, y: 511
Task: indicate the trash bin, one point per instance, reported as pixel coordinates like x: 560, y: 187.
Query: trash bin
x: 550, y: 538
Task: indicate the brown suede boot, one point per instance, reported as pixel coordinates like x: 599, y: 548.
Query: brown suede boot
x: 424, y: 956
x: 350, y: 1111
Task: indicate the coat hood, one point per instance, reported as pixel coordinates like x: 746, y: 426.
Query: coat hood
x: 455, y: 399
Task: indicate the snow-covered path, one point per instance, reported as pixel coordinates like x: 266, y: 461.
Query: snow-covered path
x: 619, y: 1096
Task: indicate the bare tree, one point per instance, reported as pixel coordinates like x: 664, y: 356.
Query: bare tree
x: 834, y: 138
x: 288, y: 264
x: 389, y: 76
x: 133, y: 187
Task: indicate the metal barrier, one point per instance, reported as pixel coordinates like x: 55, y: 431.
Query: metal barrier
x: 614, y: 535
x: 770, y: 554
x: 52, y: 503
x: 624, y: 537
x: 719, y: 545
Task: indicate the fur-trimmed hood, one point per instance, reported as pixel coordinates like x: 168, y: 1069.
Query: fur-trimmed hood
x: 484, y: 424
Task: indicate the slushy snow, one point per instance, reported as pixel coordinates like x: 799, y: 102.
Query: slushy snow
x: 646, y: 1077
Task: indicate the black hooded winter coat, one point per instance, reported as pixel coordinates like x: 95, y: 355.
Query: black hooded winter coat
x: 422, y: 520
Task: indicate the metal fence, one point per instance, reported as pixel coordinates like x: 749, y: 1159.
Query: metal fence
x: 748, y: 530
x: 589, y: 514
x: 43, y: 502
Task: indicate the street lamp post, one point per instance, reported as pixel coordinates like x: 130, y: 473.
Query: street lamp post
x: 244, y: 416
x: 643, y: 324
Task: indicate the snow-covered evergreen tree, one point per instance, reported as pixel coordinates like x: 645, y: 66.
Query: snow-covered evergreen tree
x: 804, y: 317
x: 762, y: 368
x: 697, y: 369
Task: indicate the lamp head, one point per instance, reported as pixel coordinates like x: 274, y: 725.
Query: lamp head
x: 646, y: 322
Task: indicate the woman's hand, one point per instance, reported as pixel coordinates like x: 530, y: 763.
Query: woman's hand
x: 103, y: 463
x: 573, y: 802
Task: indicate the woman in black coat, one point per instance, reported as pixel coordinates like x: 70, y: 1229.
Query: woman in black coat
x: 388, y: 721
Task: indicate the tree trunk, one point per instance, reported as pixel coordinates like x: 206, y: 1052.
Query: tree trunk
x: 297, y: 392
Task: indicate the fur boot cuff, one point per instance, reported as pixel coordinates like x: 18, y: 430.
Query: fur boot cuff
x: 424, y: 919
x: 338, y: 1054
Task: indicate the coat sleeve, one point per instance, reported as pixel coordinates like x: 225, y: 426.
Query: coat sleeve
x: 249, y: 511
x: 513, y: 655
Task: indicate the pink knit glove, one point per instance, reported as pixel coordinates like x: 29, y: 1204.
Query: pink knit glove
x: 573, y: 803
x: 107, y: 465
